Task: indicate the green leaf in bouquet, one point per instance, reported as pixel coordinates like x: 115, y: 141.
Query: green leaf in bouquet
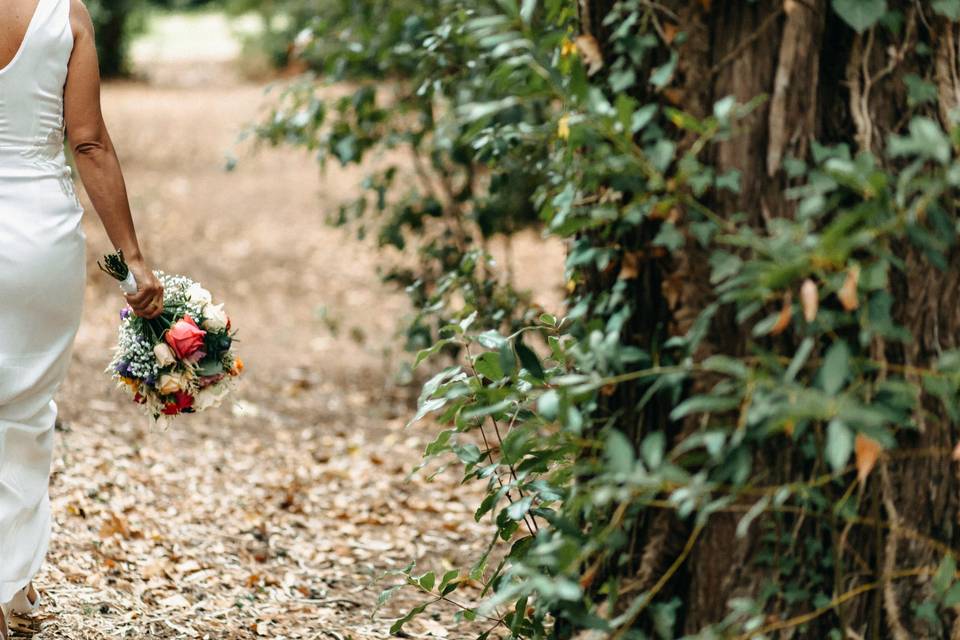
x: 210, y: 367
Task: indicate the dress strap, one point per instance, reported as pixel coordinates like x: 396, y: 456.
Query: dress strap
x: 53, y: 34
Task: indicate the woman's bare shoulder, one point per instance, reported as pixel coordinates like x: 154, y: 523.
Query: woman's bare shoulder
x: 80, y: 20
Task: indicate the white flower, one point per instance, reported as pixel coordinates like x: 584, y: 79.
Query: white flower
x: 198, y: 294
x: 164, y: 354
x: 210, y: 397
x: 214, y: 317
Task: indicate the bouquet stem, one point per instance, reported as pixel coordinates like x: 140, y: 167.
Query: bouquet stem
x: 116, y: 267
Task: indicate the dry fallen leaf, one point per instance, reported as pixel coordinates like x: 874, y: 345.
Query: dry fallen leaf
x: 153, y: 570
x: 848, y: 292
x: 589, y: 50
x: 867, y: 451
x: 809, y: 300
x: 114, y: 525
x: 175, y: 601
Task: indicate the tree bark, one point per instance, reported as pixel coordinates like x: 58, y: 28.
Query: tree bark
x: 824, y: 82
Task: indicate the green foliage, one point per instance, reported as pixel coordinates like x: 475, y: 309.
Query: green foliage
x: 578, y: 428
x: 860, y: 14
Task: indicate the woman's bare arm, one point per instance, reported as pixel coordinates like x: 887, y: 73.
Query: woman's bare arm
x: 97, y: 160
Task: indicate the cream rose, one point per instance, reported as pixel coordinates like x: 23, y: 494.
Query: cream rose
x: 170, y: 384
x: 164, y: 354
x: 214, y: 317
x: 198, y: 294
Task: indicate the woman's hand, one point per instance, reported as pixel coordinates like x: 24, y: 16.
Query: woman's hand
x: 147, y: 302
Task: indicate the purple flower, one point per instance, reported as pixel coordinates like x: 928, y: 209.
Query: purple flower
x: 124, y: 313
x: 123, y: 368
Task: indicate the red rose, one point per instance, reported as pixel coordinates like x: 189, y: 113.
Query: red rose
x: 183, y: 401
x: 185, y: 337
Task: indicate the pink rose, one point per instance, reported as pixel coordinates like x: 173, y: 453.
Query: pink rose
x: 185, y: 338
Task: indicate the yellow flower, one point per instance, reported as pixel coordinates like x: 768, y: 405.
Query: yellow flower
x: 568, y: 48
x: 563, y: 128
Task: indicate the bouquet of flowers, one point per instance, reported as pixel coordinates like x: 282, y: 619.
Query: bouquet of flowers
x: 183, y: 360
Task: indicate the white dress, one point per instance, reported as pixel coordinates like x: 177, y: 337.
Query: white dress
x: 42, y: 274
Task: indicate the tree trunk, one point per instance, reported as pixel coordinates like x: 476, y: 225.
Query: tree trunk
x: 824, y: 82
x: 115, y: 26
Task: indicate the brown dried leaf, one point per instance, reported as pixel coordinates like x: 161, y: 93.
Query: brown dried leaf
x: 674, y: 95
x: 588, y: 576
x: 867, y: 451
x: 809, y: 300
x: 630, y: 268
x: 670, y: 32
x: 589, y: 50
x: 153, y: 570
x: 848, y: 292
x: 114, y: 525
x: 786, y: 312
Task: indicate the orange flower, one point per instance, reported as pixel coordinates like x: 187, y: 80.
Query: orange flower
x: 237, y: 367
x: 130, y: 382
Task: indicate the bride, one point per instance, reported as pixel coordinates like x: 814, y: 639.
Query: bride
x: 49, y: 88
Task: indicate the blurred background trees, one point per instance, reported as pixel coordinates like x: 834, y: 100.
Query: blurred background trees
x: 116, y: 23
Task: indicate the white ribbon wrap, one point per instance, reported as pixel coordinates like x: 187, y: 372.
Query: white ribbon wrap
x: 129, y: 286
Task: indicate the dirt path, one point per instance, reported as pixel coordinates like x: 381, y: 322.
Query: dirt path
x: 273, y: 516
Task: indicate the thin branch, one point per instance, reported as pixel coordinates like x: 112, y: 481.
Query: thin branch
x: 890, y: 604
x: 513, y: 471
x: 531, y: 528
x: 661, y: 583
x: 796, y: 621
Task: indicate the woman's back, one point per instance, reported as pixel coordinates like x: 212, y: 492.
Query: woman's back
x: 15, y: 16
x: 35, y: 47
